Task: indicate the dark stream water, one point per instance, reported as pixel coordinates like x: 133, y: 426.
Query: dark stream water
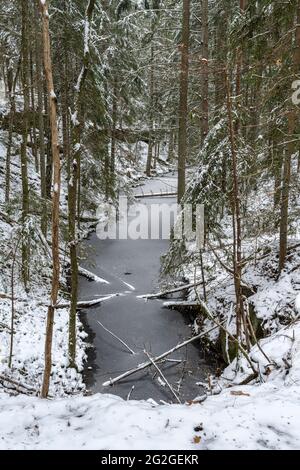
x: 132, y: 268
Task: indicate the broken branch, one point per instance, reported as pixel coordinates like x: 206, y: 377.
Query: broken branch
x: 117, y: 337
x: 156, y: 359
x: 85, y: 303
x: 162, y: 376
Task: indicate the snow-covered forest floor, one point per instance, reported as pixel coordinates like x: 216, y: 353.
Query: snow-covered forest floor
x: 264, y: 417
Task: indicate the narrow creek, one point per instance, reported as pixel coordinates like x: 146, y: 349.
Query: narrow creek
x: 132, y: 268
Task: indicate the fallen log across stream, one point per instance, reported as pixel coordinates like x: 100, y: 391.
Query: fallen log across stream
x: 162, y: 294
x: 86, y: 303
x: 174, y: 304
x: 144, y: 365
x: 150, y: 195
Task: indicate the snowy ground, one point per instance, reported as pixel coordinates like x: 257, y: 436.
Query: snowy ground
x: 261, y: 416
x: 253, y: 417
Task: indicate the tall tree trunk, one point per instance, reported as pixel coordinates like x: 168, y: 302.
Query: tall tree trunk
x: 11, y: 87
x: 38, y: 39
x: 77, y: 126
x: 113, y: 136
x: 239, y: 66
x: 236, y: 217
x: 151, y: 113
x: 171, y: 146
x: 183, y: 100
x: 33, y: 86
x: 55, y: 197
x: 205, y: 68
x: 277, y: 170
x: 292, y: 120
x: 49, y: 162
x: 24, y: 171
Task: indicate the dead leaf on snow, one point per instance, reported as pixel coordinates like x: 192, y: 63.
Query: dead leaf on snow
x: 239, y: 393
x: 196, y: 439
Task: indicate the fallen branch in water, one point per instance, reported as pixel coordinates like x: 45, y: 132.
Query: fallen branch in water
x: 156, y: 359
x: 162, y: 376
x: 171, y: 291
x: 174, y: 304
x: 85, y: 303
x: 91, y: 276
x: 117, y: 337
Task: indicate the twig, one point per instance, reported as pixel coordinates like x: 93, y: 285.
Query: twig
x: 254, y: 335
x: 5, y: 327
x: 5, y: 296
x: 17, y: 384
x: 208, y: 313
x: 178, y: 361
x: 117, y: 337
x: 130, y: 392
x: 248, y: 379
x: 7, y: 218
x: 162, y: 376
x: 227, y: 268
x: 156, y: 359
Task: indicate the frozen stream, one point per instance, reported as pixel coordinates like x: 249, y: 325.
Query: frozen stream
x: 132, y: 268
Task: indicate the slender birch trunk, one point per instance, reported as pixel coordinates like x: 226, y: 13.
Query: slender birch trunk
x: 55, y: 196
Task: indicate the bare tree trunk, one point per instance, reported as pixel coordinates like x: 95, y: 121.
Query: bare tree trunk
x: 151, y: 114
x: 49, y: 162
x: 277, y: 169
x: 55, y: 197
x: 24, y: 171
x: 11, y: 87
x: 183, y: 100
x: 204, y: 100
x: 12, y: 323
x: 171, y: 146
x: 73, y: 183
x: 239, y: 65
x: 33, y: 109
x: 285, y: 192
x: 40, y: 108
x: 113, y: 136
x: 237, y: 231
